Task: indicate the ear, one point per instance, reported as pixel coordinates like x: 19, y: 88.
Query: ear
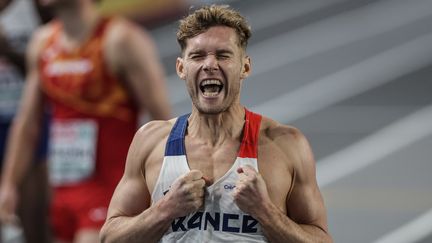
x: 246, y: 68
x: 180, y: 68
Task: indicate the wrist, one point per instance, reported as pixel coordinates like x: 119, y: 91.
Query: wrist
x: 266, y: 213
x: 9, y: 179
x: 9, y: 183
x: 163, y: 211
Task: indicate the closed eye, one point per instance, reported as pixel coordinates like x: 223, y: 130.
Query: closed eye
x: 223, y: 57
x: 223, y: 54
x: 196, y: 56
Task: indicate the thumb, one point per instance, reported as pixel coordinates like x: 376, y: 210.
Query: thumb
x: 207, y: 180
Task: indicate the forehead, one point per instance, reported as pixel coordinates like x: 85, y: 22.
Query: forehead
x: 215, y: 37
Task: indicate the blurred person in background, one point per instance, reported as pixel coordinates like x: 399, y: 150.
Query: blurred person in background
x: 97, y: 75
x: 221, y: 173
x: 18, y: 20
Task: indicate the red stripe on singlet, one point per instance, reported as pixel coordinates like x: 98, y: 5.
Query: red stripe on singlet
x: 249, y: 145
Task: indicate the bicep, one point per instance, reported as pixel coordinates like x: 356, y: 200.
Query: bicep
x: 131, y: 197
x: 305, y: 204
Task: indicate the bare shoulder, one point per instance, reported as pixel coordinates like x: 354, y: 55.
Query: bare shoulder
x: 124, y: 44
x: 289, y: 140
x: 281, y: 133
x: 148, y: 146
x: 154, y: 131
x: 39, y: 38
x: 122, y: 31
x: 43, y: 32
x: 146, y: 142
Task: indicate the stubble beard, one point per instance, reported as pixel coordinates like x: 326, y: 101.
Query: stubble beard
x: 213, y: 110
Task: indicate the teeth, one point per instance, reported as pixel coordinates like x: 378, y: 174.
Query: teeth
x: 211, y: 87
x: 211, y: 94
x: 211, y: 81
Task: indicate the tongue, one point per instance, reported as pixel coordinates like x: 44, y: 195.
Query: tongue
x: 211, y: 89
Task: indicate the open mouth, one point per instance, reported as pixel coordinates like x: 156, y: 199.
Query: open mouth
x: 211, y: 87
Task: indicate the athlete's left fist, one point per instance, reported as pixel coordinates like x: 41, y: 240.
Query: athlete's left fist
x: 250, y: 191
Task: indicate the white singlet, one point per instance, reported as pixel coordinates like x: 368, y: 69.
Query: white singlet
x: 220, y: 220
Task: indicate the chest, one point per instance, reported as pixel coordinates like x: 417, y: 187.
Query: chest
x: 212, y: 161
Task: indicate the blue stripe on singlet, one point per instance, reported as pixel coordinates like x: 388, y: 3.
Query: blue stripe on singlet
x: 175, y: 144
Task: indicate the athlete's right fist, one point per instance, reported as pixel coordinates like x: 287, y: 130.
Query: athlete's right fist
x: 186, y: 194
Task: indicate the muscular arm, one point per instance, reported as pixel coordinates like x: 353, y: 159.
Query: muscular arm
x: 133, y: 56
x: 131, y: 217
x: 305, y: 218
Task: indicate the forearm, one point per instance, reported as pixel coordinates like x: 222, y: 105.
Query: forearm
x: 149, y: 226
x: 21, y: 145
x: 277, y: 227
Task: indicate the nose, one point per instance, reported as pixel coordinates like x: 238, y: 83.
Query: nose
x: 210, y: 64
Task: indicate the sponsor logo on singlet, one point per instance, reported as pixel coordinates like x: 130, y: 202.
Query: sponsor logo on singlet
x: 225, y: 222
x: 229, y: 187
x: 74, y: 67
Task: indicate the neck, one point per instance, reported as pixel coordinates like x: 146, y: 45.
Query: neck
x: 215, y: 128
x: 78, y: 19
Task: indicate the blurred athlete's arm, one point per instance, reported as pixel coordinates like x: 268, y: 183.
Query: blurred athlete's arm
x: 306, y: 219
x: 131, y: 217
x: 24, y: 133
x: 132, y: 54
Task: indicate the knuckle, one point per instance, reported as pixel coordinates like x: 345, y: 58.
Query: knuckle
x: 199, y: 194
x: 199, y: 203
x: 184, y: 190
x: 202, y: 183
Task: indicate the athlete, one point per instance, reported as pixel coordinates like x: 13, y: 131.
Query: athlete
x: 97, y: 75
x: 222, y: 173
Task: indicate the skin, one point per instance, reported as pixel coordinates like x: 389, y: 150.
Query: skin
x: 287, y: 201
x: 130, y: 54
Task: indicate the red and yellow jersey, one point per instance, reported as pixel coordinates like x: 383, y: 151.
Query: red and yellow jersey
x: 79, y: 87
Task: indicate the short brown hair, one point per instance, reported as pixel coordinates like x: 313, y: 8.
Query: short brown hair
x: 214, y: 15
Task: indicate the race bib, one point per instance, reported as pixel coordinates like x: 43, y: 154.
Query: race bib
x: 72, y: 151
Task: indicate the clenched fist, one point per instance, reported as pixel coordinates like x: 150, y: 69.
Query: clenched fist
x: 250, y: 191
x: 186, y: 194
